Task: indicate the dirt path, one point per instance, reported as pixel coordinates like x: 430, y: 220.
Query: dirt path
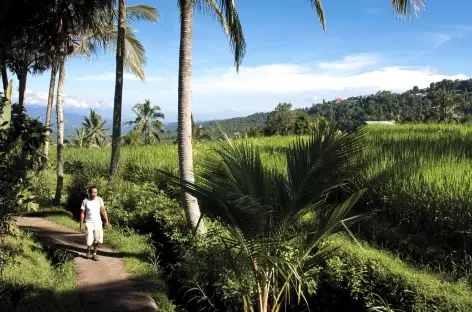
x: 103, y: 285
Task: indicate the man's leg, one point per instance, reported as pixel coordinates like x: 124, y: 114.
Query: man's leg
x: 89, y: 238
x: 98, y: 239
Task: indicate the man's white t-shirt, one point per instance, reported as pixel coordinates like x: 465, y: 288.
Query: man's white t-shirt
x: 92, y: 209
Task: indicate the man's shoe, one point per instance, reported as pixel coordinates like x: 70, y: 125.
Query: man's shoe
x: 95, y: 257
x: 89, y: 254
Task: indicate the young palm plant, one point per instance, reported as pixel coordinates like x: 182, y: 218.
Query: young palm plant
x: 147, y: 121
x: 274, y: 223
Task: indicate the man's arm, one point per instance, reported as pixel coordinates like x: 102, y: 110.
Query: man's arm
x: 104, y: 213
x: 82, y: 215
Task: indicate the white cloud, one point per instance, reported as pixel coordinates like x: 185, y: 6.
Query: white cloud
x: 439, y: 38
x: 70, y: 102
x: 104, y: 104
x: 350, y: 62
x: 109, y: 76
x: 292, y: 79
x: 41, y: 98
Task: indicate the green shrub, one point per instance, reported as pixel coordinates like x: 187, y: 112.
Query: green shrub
x: 207, y: 281
x: 127, y: 203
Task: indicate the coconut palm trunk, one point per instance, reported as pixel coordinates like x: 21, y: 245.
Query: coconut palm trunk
x: 120, y: 53
x: 52, y: 85
x: 192, y: 210
x: 60, y: 132
x: 4, y: 76
x: 22, y: 86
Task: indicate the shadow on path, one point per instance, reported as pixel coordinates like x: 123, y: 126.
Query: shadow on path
x: 102, y: 285
x: 115, y: 296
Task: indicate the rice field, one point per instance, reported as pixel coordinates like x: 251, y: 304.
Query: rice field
x: 420, y: 173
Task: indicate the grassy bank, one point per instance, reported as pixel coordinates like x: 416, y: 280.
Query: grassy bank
x: 36, y: 279
x: 377, y: 277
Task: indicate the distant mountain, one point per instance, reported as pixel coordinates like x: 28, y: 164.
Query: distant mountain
x: 414, y: 105
x: 73, y: 118
x: 201, y: 118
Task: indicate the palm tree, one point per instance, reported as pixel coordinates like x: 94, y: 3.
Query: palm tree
x: 52, y: 83
x: 102, y: 35
x: 94, y: 130
x: 117, y: 105
x: 147, y: 121
x: 79, y: 137
x: 273, y: 223
x: 125, y: 59
x: 60, y: 132
x: 4, y: 74
x: 228, y: 17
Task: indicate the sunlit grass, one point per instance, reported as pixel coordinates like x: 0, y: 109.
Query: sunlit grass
x: 426, y: 167
x: 32, y: 278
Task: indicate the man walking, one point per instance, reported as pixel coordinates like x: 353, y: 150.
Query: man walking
x: 91, y: 208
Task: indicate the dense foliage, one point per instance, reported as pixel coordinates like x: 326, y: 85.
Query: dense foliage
x: 19, y: 150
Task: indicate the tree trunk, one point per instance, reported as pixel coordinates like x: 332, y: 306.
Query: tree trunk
x: 120, y: 53
x: 264, y: 299
x: 52, y: 84
x: 4, y: 76
x: 192, y: 210
x: 60, y: 132
x: 22, y: 87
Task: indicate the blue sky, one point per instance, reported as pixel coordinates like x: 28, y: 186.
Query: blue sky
x: 366, y: 48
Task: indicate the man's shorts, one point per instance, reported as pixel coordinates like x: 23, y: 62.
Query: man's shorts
x: 94, y: 233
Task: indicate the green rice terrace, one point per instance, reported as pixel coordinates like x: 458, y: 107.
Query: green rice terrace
x: 412, y: 253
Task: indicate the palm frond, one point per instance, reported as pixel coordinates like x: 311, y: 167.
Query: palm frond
x: 404, y: 8
x: 138, y: 13
x: 324, y: 162
x: 317, y: 5
x: 106, y: 39
x: 227, y: 15
x: 135, y: 54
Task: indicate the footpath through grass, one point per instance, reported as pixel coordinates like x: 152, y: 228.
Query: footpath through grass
x: 35, y: 278
x: 138, y: 255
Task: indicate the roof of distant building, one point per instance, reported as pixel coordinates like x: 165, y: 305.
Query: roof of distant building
x: 381, y: 122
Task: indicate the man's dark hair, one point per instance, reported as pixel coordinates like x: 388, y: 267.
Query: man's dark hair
x: 91, y: 188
